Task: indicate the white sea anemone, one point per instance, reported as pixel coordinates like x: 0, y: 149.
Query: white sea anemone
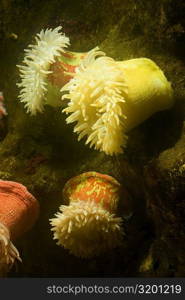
x: 8, y: 252
x: 107, y: 98
x: 86, y: 229
x: 96, y: 93
x: 49, y: 45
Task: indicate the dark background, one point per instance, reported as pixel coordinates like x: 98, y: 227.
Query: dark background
x: 43, y: 153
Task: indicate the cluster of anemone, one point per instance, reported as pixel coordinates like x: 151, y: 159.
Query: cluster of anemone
x: 106, y: 98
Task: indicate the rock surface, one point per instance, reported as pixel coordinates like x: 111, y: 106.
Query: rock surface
x: 35, y: 150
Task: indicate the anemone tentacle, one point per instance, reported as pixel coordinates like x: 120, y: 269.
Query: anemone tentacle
x: 49, y: 45
x: 96, y: 102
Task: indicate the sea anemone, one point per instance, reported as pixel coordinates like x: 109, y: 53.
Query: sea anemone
x: 37, y: 61
x: 18, y: 213
x: 8, y: 252
x: 87, y: 226
x: 107, y: 98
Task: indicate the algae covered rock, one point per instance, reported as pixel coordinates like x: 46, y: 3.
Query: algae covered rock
x: 42, y: 152
x: 166, y: 205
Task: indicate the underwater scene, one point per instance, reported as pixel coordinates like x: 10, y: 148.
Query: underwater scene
x: 92, y: 138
